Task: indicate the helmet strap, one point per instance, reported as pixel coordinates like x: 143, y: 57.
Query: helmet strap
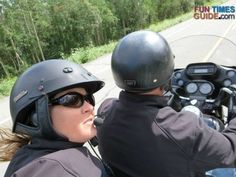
x: 44, y: 119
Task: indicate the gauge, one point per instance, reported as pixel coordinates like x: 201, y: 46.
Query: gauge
x: 227, y: 82
x: 231, y: 73
x: 180, y: 82
x: 205, y: 88
x: 191, y: 87
x: 207, y: 69
x: 178, y: 75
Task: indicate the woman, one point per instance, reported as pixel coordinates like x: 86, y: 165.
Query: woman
x: 52, y: 109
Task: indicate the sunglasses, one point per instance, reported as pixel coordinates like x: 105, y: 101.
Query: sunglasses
x: 73, y: 99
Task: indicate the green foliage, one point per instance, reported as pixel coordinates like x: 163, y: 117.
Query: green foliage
x: 168, y: 23
x: 83, y: 55
x: 199, y: 2
x: 32, y: 30
x: 104, y: 32
x: 169, y: 9
x: 35, y: 30
x: 132, y: 15
x: 6, y: 85
x: 72, y: 24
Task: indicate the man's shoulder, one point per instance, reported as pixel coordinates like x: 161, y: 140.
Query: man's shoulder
x: 183, y: 119
x: 106, y: 104
x: 170, y: 112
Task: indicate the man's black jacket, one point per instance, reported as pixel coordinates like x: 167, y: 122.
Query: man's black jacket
x: 142, y: 137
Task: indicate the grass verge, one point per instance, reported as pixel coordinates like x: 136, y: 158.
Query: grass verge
x: 83, y: 55
x: 5, y: 86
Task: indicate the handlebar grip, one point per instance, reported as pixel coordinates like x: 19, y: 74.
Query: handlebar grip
x: 232, y: 107
x: 223, y: 97
x: 227, y: 97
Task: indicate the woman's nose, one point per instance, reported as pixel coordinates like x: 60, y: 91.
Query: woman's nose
x: 87, y: 107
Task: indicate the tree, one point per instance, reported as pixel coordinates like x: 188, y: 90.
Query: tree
x: 34, y: 30
x: 105, y: 30
x: 132, y: 14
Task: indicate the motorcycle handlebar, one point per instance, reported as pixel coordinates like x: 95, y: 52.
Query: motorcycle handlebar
x: 226, y: 97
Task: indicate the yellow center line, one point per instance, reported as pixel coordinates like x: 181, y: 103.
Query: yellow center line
x: 218, y: 43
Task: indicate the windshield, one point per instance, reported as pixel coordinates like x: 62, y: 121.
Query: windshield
x: 203, y: 48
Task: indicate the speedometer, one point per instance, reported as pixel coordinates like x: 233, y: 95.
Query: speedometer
x: 205, y: 88
x: 191, y: 87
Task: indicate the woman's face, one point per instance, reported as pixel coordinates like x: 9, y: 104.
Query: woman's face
x: 74, y: 123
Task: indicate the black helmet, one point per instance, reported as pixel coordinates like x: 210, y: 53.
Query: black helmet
x: 142, y: 61
x: 33, y: 88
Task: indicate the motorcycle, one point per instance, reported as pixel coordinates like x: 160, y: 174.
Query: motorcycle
x: 207, y: 85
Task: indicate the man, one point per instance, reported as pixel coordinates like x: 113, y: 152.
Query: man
x: 143, y: 137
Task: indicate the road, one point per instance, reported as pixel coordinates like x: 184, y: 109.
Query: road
x: 101, y: 66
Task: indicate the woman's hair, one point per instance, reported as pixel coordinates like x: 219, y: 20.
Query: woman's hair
x: 10, y: 143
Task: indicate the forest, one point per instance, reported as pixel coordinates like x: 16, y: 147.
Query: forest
x: 36, y: 30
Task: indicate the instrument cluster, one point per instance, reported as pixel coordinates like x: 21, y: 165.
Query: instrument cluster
x: 203, y: 79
